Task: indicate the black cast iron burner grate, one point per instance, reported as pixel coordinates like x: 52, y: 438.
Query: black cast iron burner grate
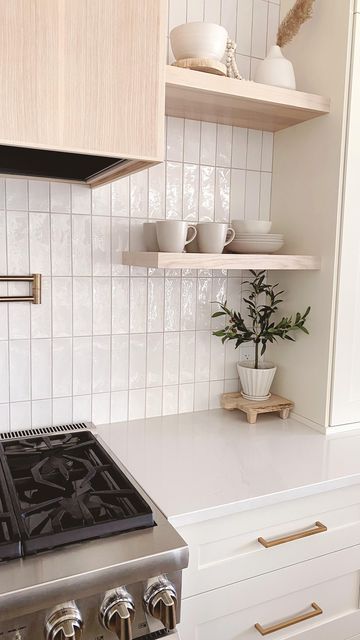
x: 65, y: 488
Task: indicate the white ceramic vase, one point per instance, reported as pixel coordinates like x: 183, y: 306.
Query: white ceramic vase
x: 276, y: 70
x: 256, y: 383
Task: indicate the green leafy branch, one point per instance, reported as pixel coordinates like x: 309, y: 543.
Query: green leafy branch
x: 262, y: 303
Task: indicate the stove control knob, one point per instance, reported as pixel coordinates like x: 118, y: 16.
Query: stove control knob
x: 161, y: 602
x: 64, y: 622
x: 117, y: 613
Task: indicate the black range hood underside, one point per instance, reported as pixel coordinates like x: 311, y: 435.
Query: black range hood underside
x: 53, y: 164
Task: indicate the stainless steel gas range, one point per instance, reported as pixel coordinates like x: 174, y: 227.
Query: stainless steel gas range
x: 84, y: 553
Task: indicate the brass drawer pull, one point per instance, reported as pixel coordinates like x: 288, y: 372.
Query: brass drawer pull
x: 316, y: 611
x: 319, y: 528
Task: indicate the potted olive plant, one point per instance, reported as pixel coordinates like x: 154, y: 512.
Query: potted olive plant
x: 262, y: 303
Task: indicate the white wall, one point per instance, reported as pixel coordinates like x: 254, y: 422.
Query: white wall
x: 109, y: 343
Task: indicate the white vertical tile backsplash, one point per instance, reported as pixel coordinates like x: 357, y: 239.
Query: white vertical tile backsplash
x: 109, y: 342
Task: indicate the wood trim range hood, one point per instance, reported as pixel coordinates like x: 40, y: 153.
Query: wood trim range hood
x: 81, y: 99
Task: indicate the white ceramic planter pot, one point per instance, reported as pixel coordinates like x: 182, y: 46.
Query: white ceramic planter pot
x: 256, y: 383
x: 198, y: 40
x: 276, y: 70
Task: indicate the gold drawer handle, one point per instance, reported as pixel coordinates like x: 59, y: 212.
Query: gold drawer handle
x: 316, y: 611
x: 319, y: 528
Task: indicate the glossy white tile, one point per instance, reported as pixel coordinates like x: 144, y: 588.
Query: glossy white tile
x: 254, y: 149
x: 139, y: 194
x: 82, y: 408
x: 188, y: 303
x: 17, y: 242
x: 155, y: 305
x: 19, y: 354
x: 192, y: 141
x: 62, y: 367
x: 208, y: 143
x: 187, y: 357
x: 41, y: 324
x: 39, y: 242
x: 101, y: 364
x: 191, y: 192
x: 154, y: 402
x: 138, y: 305
x: 244, y: 26
x: 224, y: 146
x: 174, y: 195
x: 228, y: 17
x: 62, y: 307
x: 19, y: 312
x: 186, y: 398
x: 82, y: 306
x: 41, y: 413
x: 202, y: 356
x: 265, y: 196
x: 81, y: 245
x: 175, y: 139
x: 101, y: 408
x: 212, y: 11
x: 237, y: 194
x: 172, y: 304
x: 101, y: 246
x: 20, y: 415
x: 82, y: 365
x: 41, y: 361
x: 157, y: 191
x: 195, y: 10
x: 3, y: 252
x: 267, y: 151
x: 60, y: 197
x: 207, y: 194
x: 120, y: 305
x: 80, y: 199
x: 16, y: 194
x: 259, y: 29
x: 101, y: 306
x: 137, y: 368
x: 154, y: 367
x: 101, y: 204
x: 60, y: 244
x: 119, y: 406
x: 119, y: 362
x: 171, y: 358
x: 120, y: 197
x: 39, y: 195
x: 201, y: 396
x: 4, y: 368
x: 136, y: 404
x: 170, y: 400
x: 222, y: 194
x: 252, y: 194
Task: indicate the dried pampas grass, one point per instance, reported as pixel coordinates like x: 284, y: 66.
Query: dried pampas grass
x: 301, y: 11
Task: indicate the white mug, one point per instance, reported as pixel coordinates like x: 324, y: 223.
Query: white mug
x: 173, y: 235
x: 212, y: 237
x: 150, y: 237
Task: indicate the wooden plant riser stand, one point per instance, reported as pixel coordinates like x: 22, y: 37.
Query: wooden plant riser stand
x: 202, y: 64
x: 253, y: 408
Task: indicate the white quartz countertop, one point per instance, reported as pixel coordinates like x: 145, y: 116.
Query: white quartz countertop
x: 207, y: 464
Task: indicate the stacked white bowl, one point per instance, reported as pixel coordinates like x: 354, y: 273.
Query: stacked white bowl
x: 253, y: 236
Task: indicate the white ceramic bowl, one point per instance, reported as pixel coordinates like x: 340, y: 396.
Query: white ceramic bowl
x: 198, y: 40
x: 251, y: 226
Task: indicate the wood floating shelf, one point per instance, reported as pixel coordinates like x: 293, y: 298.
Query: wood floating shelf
x: 162, y: 260
x: 241, y: 103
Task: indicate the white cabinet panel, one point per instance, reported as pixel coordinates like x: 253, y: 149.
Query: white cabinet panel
x: 346, y: 373
x: 231, y: 612
x: 227, y: 550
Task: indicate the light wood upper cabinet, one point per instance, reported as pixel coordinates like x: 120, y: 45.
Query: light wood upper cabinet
x: 85, y: 77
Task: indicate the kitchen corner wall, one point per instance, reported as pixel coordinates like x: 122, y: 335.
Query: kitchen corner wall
x: 110, y: 343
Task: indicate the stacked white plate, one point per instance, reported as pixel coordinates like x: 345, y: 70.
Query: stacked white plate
x: 256, y: 243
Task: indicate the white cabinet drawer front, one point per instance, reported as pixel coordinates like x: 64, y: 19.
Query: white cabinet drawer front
x: 230, y: 613
x: 226, y: 550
